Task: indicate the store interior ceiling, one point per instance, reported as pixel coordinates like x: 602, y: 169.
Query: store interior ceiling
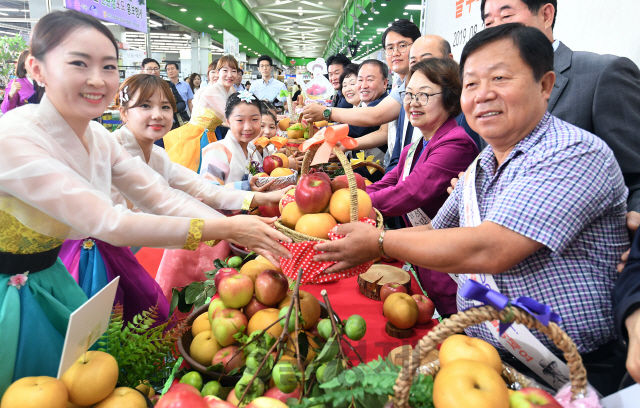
x: 285, y: 29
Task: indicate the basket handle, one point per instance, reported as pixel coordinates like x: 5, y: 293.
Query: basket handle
x: 458, y: 322
x: 348, y: 171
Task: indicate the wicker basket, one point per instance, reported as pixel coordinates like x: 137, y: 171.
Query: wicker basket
x: 458, y: 322
x: 353, y: 193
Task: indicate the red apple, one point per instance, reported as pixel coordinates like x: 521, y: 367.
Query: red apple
x: 269, y: 211
x: 266, y: 402
x: 177, y: 386
x: 262, y: 174
x: 222, y: 272
x: 181, y: 399
x: 215, y: 402
x: 323, y: 175
x: 530, y: 397
x: 253, y: 307
x: 270, y: 163
x: 236, y: 290
x: 312, y: 194
x: 226, y: 357
x: 271, y: 287
x: 426, y: 308
x: 275, y: 393
x: 226, y: 324
x: 342, y: 182
x: 389, y: 288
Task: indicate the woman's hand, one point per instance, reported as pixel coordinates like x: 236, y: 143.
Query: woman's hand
x: 295, y: 160
x: 257, y: 234
x: 15, y: 87
x: 252, y: 183
x: 359, y: 245
x: 272, y: 198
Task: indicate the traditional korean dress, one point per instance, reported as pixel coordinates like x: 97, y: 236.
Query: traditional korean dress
x: 185, y: 143
x: 225, y: 162
x: 94, y: 263
x: 51, y: 189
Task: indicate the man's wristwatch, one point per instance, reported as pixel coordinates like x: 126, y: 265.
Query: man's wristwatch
x: 327, y: 113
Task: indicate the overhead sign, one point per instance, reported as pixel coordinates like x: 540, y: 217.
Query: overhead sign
x: 127, y: 13
x: 231, y: 44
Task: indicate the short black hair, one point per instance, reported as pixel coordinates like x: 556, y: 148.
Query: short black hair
x: 535, y: 48
x: 265, y: 58
x: 338, y: 59
x: 533, y: 5
x: 148, y: 60
x: 234, y: 100
x: 403, y: 27
x: 240, y: 71
x: 384, y: 69
x: 351, y: 69
x: 172, y: 63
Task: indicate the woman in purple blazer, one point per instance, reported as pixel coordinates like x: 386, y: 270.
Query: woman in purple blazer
x: 21, y: 90
x: 417, y: 187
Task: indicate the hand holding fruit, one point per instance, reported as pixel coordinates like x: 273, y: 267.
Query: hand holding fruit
x: 313, y: 112
x: 359, y: 245
x: 256, y: 233
x: 254, y: 187
x: 272, y: 198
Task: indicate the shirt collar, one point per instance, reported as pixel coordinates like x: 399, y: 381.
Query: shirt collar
x: 487, y: 158
x: 556, y: 44
x: 267, y: 82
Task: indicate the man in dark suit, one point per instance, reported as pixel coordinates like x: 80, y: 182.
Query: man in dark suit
x: 599, y: 93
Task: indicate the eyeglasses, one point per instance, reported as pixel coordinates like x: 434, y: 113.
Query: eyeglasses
x: 421, y: 97
x: 402, y: 47
x: 151, y: 69
x: 264, y: 66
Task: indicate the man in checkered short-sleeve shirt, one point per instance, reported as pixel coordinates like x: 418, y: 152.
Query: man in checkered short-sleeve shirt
x: 551, y: 200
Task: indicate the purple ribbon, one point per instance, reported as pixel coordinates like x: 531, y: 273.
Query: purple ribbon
x: 476, y: 291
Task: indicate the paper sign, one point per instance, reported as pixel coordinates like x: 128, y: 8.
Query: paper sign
x: 87, y: 324
x: 626, y: 398
x: 231, y: 43
x: 127, y: 13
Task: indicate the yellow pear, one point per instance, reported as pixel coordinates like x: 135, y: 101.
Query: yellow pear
x: 91, y: 378
x: 200, y: 325
x: 203, y: 347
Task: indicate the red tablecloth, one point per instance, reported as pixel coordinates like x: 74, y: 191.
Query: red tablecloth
x: 346, y: 300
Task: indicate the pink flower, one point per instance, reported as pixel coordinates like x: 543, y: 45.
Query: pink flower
x: 18, y: 280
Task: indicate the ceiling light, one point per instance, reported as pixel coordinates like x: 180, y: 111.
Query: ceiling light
x: 183, y: 9
x: 299, y: 8
x: 357, y: 32
x: 384, y: 4
x: 405, y: 14
x: 366, y: 23
x: 244, y: 46
x: 4, y: 14
x: 380, y: 29
x: 301, y: 14
x: 413, y: 7
x: 199, y: 18
x: 394, y: 20
x: 389, y: 25
x: 249, y: 49
x: 376, y: 12
x: 320, y: 3
x: 210, y: 25
x: 219, y: 32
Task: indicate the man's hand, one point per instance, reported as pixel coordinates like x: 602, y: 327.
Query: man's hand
x: 633, y: 221
x: 454, y: 182
x: 15, y: 87
x: 359, y: 245
x: 313, y: 113
x: 633, y: 353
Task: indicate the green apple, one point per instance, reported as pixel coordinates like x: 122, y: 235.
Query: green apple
x: 234, y: 262
x: 325, y: 329
x: 215, y: 306
x: 355, y: 328
x: 284, y: 375
x: 292, y: 321
x: 320, y: 373
x: 210, y: 388
x: 255, y: 359
x: 256, y: 390
x: 192, y: 378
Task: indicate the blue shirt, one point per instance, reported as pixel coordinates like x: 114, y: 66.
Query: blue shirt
x: 560, y: 186
x: 185, y: 90
x: 395, y: 93
x: 269, y: 91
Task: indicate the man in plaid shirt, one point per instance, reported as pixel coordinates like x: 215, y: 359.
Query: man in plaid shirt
x: 551, y: 200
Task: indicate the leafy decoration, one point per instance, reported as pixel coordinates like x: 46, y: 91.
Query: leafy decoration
x: 143, y: 352
x: 10, y: 49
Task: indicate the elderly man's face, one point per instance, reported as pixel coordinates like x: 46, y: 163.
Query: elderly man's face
x: 497, y: 12
x: 425, y: 48
x: 500, y: 97
x: 371, y: 84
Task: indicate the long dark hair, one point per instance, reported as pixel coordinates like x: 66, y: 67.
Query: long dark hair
x: 56, y: 26
x: 191, y: 78
x: 21, y: 70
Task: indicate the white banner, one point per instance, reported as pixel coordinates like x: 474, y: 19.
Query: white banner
x: 231, y: 44
x: 455, y: 20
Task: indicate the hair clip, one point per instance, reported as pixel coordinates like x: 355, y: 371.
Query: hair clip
x: 246, y: 96
x: 124, y: 96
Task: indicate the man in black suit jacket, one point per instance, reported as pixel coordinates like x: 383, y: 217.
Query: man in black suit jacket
x: 599, y: 93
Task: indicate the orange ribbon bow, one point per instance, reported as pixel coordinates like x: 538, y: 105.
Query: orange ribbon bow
x: 261, y: 141
x: 278, y: 141
x: 329, y: 137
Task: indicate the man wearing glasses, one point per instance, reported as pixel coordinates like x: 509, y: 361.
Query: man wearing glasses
x: 267, y: 88
x: 397, y: 41
x: 151, y: 67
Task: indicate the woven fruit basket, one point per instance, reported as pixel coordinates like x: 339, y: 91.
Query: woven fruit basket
x: 302, y: 247
x: 477, y: 315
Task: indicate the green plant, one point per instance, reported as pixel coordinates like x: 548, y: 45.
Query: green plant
x: 10, y: 49
x: 143, y: 352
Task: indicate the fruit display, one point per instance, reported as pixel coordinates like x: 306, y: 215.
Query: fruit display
x: 296, y: 131
x: 403, y: 311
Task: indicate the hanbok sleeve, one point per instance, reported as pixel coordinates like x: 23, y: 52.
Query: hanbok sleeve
x: 183, y: 179
x: 43, y: 192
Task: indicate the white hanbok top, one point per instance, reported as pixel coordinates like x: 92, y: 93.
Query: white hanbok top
x: 51, y: 184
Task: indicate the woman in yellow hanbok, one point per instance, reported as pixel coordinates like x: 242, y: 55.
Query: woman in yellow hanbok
x: 184, y: 144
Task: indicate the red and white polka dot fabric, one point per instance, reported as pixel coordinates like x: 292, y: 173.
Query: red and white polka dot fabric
x: 302, y: 257
x: 287, y: 199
